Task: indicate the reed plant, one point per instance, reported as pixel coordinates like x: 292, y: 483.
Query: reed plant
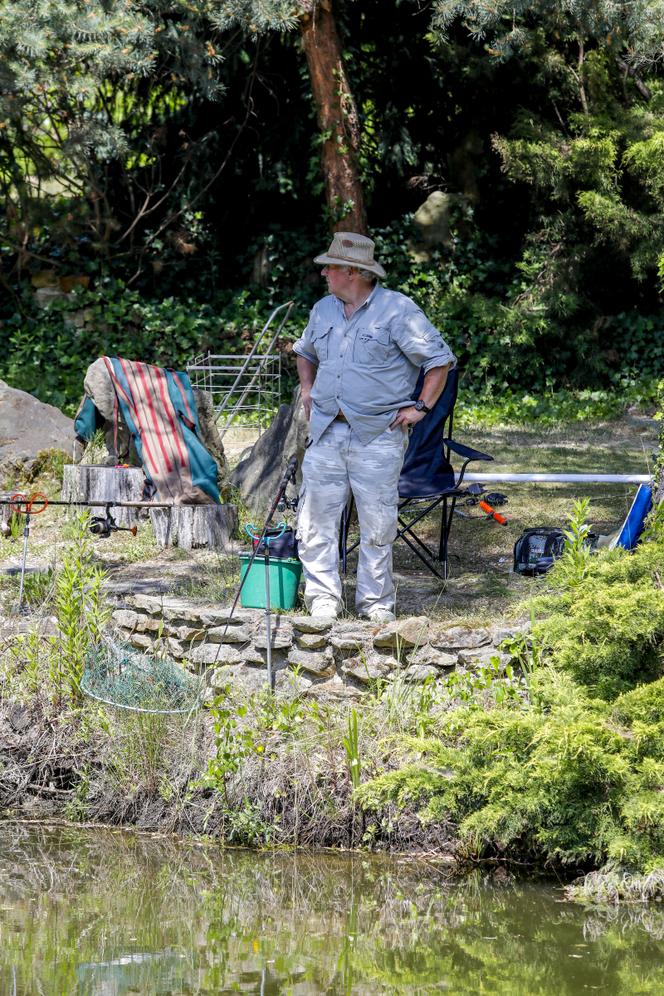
x: 81, y: 613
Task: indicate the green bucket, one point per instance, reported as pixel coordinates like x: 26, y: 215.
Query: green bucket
x: 284, y: 578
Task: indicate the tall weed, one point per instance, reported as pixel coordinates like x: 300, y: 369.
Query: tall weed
x: 80, y: 611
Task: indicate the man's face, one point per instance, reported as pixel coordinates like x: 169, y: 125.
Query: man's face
x: 339, y: 280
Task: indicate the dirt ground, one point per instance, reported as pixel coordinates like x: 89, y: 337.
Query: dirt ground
x: 482, y: 584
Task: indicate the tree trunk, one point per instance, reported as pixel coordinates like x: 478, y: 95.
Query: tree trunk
x: 337, y: 117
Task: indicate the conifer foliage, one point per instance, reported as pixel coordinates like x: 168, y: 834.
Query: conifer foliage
x: 85, y: 89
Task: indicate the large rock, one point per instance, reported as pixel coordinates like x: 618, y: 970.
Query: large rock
x: 432, y: 223
x: 369, y: 667
x: 28, y: 427
x: 319, y: 664
x: 412, y: 631
x: 257, y: 476
x: 432, y: 220
x: 458, y: 638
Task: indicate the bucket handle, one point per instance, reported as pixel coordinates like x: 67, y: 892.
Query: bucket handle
x: 250, y: 530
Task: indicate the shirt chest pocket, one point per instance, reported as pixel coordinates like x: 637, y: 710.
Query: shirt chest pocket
x: 372, y: 345
x: 320, y: 340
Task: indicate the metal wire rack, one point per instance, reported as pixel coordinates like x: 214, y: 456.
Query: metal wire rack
x: 245, y: 389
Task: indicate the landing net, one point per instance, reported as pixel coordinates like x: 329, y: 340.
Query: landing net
x: 119, y: 675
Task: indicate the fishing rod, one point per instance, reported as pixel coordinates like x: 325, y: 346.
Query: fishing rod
x: 100, y: 525
x: 18, y: 501
x: 262, y: 540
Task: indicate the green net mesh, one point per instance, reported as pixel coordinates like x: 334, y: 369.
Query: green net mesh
x: 119, y: 675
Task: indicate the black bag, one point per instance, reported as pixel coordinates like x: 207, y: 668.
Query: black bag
x: 536, y: 549
x: 282, y: 544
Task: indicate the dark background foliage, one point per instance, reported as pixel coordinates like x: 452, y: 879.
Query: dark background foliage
x: 169, y: 155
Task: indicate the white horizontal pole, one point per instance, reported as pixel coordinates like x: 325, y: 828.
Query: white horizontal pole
x: 481, y: 478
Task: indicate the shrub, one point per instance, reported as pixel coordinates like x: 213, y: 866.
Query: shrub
x: 607, y: 632
x: 573, y: 772
x: 575, y: 781
x: 523, y: 357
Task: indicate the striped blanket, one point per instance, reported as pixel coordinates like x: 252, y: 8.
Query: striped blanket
x: 158, y: 407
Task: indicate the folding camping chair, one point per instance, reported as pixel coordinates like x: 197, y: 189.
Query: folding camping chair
x: 427, y: 482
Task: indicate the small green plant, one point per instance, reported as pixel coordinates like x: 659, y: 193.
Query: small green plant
x: 281, y: 715
x: 27, y: 663
x: 351, y: 744
x: 246, y: 827
x: 577, y: 547
x: 233, y: 743
x: 76, y: 809
x: 48, y: 464
x: 39, y: 588
x: 95, y: 450
x: 15, y: 527
x: 493, y: 681
x: 140, y: 751
x: 80, y: 611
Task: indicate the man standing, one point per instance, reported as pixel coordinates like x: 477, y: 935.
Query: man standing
x: 358, y: 362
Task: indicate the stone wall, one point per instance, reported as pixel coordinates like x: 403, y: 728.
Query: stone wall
x: 312, y: 657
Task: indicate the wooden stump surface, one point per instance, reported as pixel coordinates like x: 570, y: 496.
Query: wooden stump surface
x: 5, y: 513
x: 93, y: 482
x: 194, y: 526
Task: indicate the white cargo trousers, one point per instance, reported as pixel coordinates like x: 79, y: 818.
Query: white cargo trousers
x: 333, y: 467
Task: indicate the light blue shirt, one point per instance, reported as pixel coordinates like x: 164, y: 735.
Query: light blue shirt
x: 368, y: 364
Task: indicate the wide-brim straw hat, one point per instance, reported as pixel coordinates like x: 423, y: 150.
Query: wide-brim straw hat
x: 351, y: 249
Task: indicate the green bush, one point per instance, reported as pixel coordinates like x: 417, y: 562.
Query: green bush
x: 521, y: 360
x: 575, y: 781
x: 511, y: 337
x: 608, y: 631
x: 572, y: 771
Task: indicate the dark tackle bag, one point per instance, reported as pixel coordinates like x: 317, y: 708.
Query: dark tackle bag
x: 536, y: 549
x: 282, y: 543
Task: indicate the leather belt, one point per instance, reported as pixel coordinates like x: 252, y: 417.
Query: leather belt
x: 340, y: 417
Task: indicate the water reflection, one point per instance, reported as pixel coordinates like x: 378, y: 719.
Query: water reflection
x: 97, y: 912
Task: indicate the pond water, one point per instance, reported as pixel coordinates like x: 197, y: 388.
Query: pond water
x: 103, y: 912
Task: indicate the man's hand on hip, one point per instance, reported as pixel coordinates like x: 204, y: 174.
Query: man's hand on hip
x: 306, y: 372
x: 407, y: 416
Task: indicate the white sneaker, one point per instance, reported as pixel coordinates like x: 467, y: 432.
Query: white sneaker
x: 323, y: 608
x: 381, y: 616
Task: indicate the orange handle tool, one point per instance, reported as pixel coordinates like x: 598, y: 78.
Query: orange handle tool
x: 491, y: 512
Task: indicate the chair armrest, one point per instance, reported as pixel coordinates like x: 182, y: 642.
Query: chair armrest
x: 467, y: 452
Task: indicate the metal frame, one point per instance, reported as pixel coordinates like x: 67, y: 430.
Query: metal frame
x: 240, y: 384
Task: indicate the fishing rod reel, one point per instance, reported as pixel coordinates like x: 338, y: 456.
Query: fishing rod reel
x: 288, y: 504
x: 476, y: 494
x: 104, y: 525
x: 283, y: 503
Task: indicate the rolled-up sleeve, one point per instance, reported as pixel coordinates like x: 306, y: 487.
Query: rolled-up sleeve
x: 421, y: 341
x: 303, y: 346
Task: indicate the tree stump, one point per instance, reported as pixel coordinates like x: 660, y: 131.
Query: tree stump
x: 193, y: 526
x: 94, y: 482
x: 5, y: 514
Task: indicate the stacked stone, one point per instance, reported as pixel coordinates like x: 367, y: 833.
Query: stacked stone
x: 311, y: 657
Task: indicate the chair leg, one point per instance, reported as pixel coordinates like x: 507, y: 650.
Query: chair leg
x: 344, y: 549
x: 343, y: 541
x: 407, y: 530
x: 428, y: 561
x: 446, y: 519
